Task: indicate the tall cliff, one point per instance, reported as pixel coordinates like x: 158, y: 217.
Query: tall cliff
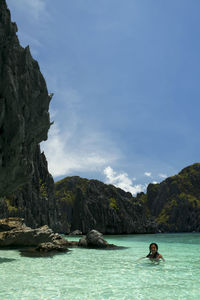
x: 90, y: 204
x: 26, y: 187
x: 175, y: 202
x: 24, y: 103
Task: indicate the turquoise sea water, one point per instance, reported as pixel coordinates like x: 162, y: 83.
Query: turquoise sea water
x: 111, y: 274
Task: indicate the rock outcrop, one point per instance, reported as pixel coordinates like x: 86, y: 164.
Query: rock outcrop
x: 90, y: 204
x: 95, y: 240
x: 14, y: 232
x: 43, y: 241
x: 175, y: 202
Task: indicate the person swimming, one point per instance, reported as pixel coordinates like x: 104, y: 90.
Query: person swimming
x: 153, y: 253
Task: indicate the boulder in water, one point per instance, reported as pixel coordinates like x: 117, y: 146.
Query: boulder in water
x: 94, y: 239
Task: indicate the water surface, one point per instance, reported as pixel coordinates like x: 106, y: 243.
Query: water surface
x: 111, y: 274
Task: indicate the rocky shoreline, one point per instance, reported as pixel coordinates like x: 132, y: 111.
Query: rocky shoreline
x: 43, y: 241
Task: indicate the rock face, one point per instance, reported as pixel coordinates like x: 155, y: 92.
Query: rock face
x: 175, y: 202
x: 91, y: 204
x: 26, y: 187
x: 35, y: 201
x: 24, y: 103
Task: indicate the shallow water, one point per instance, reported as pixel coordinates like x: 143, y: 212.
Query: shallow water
x: 111, y: 274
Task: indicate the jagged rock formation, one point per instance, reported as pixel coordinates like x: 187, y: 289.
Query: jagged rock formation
x: 91, y: 204
x: 35, y: 201
x: 175, y: 202
x: 24, y: 102
x: 26, y: 187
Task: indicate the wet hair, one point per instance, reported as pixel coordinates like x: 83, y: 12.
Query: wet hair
x: 153, y: 255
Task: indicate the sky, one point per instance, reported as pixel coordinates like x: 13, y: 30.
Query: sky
x: 126, y: 82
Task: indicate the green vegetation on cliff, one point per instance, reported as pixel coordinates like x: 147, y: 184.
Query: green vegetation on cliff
x: 175, y: 202
x: 91, y: 204
x: 113, y: 203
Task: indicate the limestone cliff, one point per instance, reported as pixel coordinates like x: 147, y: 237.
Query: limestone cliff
x: 24, y: 104
x: 91, y: 204
x: 35, y: 201
x: 175, y: 202
x: 26, y: 187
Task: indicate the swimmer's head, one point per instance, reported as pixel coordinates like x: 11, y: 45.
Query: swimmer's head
x: 153, y: 248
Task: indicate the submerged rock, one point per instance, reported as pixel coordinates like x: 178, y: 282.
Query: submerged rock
x: 75, y: 232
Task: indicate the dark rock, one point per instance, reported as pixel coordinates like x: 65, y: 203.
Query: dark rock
x: 175, y: 202
x: 24, y: 102
x: 26, y: 187
x: 46, y: 247
x: 35, y: 201
x: 95, y: 240
x: 83, y: 242
x: 90, y: 204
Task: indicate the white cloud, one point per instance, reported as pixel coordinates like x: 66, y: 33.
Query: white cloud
x: 74, y: 144
x: 148, y: 174
x: 68, y: 153
x: 122, y: 181
x: 163, y: 176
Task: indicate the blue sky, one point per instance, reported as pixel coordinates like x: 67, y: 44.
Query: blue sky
x: 126, y: 82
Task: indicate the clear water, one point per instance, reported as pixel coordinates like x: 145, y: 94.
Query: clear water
x: 98, y: 274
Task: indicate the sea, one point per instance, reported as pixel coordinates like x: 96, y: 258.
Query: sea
x: 107, y: 274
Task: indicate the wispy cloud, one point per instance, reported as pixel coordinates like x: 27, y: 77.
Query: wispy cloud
x: 122, y: 181
x: 163, y: 176
x: 148, y: 174
x: 32, y: 7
